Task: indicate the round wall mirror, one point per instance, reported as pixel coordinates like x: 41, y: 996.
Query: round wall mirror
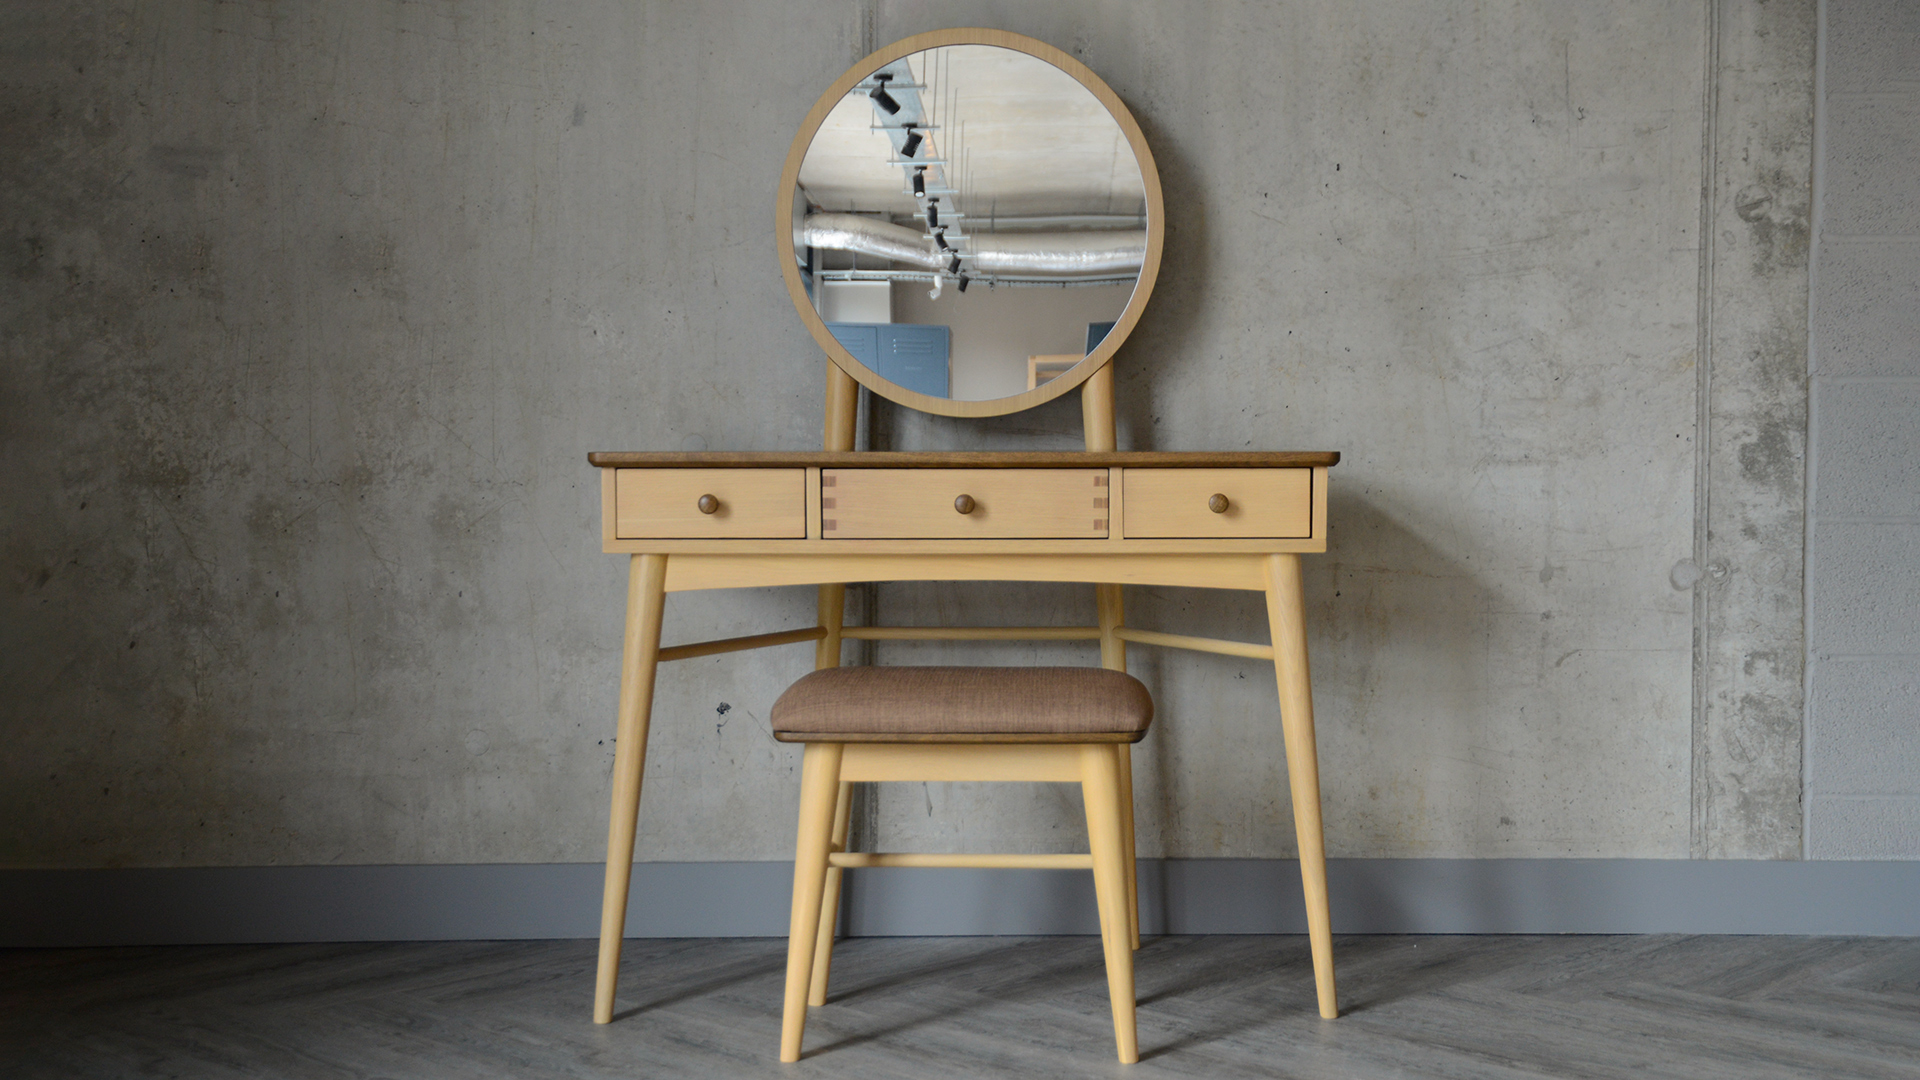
x: 970, y: 222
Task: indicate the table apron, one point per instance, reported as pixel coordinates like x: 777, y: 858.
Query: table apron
x: 1226, y: 571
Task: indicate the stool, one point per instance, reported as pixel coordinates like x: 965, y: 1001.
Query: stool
x: 1068, y: 724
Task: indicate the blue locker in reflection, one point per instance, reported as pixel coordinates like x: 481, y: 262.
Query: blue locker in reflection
x: 1097, y: 333
x: 909, y: 354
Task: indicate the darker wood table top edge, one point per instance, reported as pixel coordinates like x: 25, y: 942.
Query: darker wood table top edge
x: 980, y: 459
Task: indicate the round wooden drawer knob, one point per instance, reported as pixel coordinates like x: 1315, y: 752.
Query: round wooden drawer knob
x: 1218, y: 504
x: 708, y: 504
x: 964, y: 504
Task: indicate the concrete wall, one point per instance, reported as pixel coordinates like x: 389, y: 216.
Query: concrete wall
x: 313, y: 313
x: 1863, y: 555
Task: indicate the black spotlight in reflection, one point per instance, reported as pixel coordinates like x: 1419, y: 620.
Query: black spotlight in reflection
x: 881, y: 97
x: 963, y: 282
x: 920, y: 182
x: 912, y: 145
x: 954, y: 266
x: 933, y: 213
x: 940, y: 237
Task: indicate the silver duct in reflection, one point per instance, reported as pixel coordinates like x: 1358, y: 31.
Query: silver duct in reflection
x: 1087, y: 253
x: 1067, y: 254
x: 871, y: 236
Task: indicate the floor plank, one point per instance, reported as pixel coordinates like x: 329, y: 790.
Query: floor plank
x: 1475, y: 1008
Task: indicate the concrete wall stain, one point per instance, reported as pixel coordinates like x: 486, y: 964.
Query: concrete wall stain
x: 1746, y: 746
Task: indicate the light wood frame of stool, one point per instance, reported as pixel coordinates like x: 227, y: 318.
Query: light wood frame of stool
x: 1097, y: 420
x: 828, y: 769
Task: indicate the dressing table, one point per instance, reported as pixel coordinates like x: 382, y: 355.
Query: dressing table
x: 885, y: 197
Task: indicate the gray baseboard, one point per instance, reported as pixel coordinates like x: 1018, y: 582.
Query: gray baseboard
x: 41, y: 908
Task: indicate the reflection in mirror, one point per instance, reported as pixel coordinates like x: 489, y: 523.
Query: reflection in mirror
x: 974, y: 221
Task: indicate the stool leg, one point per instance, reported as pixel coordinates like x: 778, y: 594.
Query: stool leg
x: 1100, y: 788
x: 819, y: 790
x: 830, y: 900
x: 1286, y: 618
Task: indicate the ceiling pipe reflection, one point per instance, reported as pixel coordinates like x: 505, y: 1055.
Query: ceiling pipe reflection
x: 1079, y: 253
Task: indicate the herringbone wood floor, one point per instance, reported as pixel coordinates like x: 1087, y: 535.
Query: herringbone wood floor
x: 1697, y: 1008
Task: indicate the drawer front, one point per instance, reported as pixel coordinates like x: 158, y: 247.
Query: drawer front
x: 918, y: 504
x: 659, y: 504
x: 1274, y: 503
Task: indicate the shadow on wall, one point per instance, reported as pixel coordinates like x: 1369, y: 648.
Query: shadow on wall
x: 1384, y: 607
x: 1388, y: 612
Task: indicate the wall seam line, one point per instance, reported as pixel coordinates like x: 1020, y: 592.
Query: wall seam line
x: 1698, y: 803
x: 1816, y: 185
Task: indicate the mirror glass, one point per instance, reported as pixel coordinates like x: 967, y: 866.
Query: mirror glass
x: 970, y: 221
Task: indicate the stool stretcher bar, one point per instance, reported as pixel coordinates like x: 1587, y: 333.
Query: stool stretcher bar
x: 971, y: 633
x: 860, y: 860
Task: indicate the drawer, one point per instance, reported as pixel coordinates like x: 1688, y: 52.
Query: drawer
x: 753, y: 503
x: 918, y: 504
x: 1174, y: 502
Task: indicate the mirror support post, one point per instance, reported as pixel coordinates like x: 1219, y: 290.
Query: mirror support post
x: 843, y: 403
x: 839, y: 430
x: 843, y: 406
x: 1096, y: 421
x: 1096, y: 409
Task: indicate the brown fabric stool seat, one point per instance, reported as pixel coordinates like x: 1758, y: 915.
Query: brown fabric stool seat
x: 964, y: 704
x: 1022, y: 725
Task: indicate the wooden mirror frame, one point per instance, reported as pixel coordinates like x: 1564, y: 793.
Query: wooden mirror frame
x: 783, y: 232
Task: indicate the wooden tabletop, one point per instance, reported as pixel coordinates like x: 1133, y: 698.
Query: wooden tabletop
x: 880, y: 459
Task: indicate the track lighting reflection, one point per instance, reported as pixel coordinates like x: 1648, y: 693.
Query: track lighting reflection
x: 881, y: 97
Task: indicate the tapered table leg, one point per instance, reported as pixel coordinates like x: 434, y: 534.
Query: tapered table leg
x: 1286, y: 618
x: 833, y: 612
x: 646, y: 603
x: 1113, y: 655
